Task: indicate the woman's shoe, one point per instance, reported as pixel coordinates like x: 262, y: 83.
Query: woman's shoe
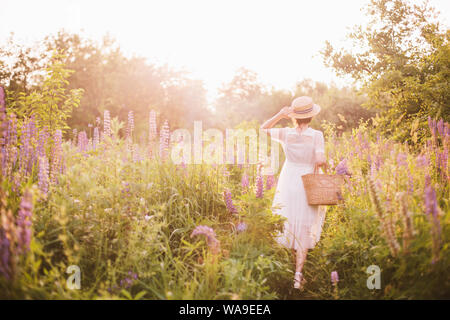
x: 298, y: 280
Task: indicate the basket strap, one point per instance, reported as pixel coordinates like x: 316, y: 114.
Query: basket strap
x: 316, y: 168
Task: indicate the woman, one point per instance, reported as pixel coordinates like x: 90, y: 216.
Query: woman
x: 304, y: 149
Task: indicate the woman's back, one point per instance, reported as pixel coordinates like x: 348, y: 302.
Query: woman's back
x: 300, y: 148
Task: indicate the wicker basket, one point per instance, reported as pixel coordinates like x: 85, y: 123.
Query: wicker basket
x: 323, y: 189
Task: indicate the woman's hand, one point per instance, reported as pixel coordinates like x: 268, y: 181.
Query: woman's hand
x: 284, y: 112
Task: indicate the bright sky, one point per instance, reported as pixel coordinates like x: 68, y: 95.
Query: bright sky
x: 278, y: 39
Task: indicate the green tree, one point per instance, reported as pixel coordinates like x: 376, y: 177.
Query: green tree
x: 51, y: 105
x: 401, y: 60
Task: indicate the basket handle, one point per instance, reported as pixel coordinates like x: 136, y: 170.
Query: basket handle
x: 325, y: 168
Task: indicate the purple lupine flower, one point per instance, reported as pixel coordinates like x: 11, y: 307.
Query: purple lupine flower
x: 410, y: 183
x: 244, y: 182
x: 3, y: 125
x: 106, y: 124
x: 43, y: 176
x: 83, y: 141
x: 342, y: 168
x: 241, y: 227
x: 270, y: 181
x: 422, y: 161
x: 431, y: 208
x: 229, y: 201
x: 401, y: 159
x: 430, y: 198
x: 334, y: 278
x: 210, y: 235
x: 24, y: 222
x: 42, y: 140
x: 259, y: 186
x: 164, y: 137
x: 130, y: 127
x: 440, y: 128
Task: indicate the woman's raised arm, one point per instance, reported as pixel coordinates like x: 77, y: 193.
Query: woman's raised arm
x: 283, y: 113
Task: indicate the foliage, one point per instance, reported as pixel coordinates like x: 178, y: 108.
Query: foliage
x: 52, y: 105
x: 403, y: 65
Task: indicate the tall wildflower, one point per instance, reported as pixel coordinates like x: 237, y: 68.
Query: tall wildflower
x: 43, y: 176
x: 82, y: 141
x: 244, y: 182
x: 164, y: 137
x: 342, y: 168
x: 42, y: 141
x: 270, y: 181
x: 3, y: 123
x: 24, y: 222
x: 106, y: 123
x: 229, y: 201
x: 387, y: 227
x: 334, y: 278
x: 259, y: 185
x: 211, y: 238
x: 152, y: 132
x: 334, y: 281
x: 432, y: 210
x: 408, y: 225
x: 130, y: 127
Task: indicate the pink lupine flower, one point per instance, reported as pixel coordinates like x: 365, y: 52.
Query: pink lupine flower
x: 244, y: 182
x: 241, y: 227
x: 440, y: 128
x: 130, y: 127
x: 24, y: 222
x: 270, y: 182
x: 334, y: 278
x: 432, y: 210
x: 164, y: 137
x: 106, y: 123
x: 259, y: 186
x: 422, y: 161
x: 210, y: 235
x: 82, y: 141
x: 43, y: 176
x: 229, y: 201
x: 342, y: 168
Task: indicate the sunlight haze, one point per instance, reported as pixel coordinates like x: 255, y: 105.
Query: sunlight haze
x: 280, y: 40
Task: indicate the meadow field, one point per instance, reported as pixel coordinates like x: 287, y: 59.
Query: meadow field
x: 96, y: 202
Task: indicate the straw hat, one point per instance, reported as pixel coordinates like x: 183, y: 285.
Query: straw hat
x: 304, y: 107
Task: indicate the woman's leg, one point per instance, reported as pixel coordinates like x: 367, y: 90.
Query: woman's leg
x: 300, y: 259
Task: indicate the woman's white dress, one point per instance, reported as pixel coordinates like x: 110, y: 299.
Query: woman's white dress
x: 304, y: 222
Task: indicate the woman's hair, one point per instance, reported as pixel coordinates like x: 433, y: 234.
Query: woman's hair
x: 299, y: 122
